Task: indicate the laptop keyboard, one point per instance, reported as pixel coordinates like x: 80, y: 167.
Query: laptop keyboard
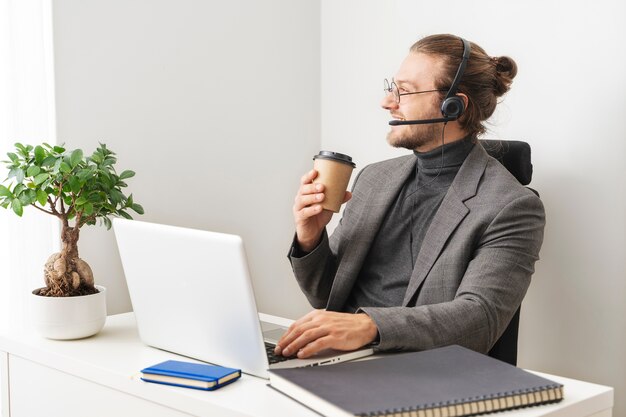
x: 272, y: 357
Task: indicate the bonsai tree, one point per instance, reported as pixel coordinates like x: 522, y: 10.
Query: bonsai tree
x: 78, y: 190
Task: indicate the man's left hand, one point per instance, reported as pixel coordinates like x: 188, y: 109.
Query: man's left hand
x: 322, y: 329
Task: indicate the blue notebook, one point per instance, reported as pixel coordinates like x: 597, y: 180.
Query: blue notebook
x: 190, y: 375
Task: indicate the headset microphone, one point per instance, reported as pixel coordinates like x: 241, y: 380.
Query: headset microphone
x: 452, y: 106
x: 421, y: 122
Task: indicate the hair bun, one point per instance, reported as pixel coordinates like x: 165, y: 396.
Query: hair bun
x: 506, y: 70
x: 506, y: 65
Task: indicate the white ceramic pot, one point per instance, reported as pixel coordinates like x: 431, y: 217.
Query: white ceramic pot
x: 66, y: 318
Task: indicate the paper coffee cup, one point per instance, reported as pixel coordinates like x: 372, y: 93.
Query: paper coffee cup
x: 333, y: 170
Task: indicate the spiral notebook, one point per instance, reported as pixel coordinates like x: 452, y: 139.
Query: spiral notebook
x: 448, y: 381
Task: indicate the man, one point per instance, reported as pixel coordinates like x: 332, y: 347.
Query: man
x: 434, y: 248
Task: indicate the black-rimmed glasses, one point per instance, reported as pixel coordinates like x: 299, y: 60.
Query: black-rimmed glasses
x: 392, y: 88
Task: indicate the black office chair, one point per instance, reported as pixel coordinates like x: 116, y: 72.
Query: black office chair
x: 515, y: 156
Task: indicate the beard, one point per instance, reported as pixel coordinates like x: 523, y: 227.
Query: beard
x: 412, y: 137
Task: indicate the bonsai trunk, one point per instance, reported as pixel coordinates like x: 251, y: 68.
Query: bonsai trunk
x: 66, y: 275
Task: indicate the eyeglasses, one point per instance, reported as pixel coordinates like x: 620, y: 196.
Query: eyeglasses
x: 392, y: 88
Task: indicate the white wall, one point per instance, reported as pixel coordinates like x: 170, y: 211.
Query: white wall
x: 215, y: 105
x: 568, y: 102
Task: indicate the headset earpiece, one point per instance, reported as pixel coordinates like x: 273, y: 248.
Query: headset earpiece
x: 452, y: 107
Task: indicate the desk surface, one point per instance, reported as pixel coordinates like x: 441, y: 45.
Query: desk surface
x: 114, y: 357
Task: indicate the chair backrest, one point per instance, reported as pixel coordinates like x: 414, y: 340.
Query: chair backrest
x: 515, y: 156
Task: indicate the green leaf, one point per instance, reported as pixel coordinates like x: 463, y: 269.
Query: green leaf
x: 108, y: 161
x: 40, y: 155
x: 24, y: 199
x: 16, y: 204
x: 49, y: 161
x: 57, y: 165
x: 32, y: 171
x: 13, y: 157
x: 30, y: 196
x: 127, y: 174
x: 17, y: 173
x: 138, y: 208
x: 116, y: 197
x: 109, y: 207
x: 125, y: 215
x: 84, y: 174
x: 5, y: 192
x: 88, y: 209
x: 96, y: 157
x: 42, y: 197
x: 18, y: 189
x: 81, y: 201
x: 75, y: 185
x: 96, y: 197
x: 107, y: 222
x: 59, y: 149
x: 65, y: 168
x: 76, y: 158
x: 105, y: 179
x: 40, y: 178
x: 103, y: 149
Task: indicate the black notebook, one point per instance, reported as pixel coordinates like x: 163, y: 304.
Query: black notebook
x: 448, y: 381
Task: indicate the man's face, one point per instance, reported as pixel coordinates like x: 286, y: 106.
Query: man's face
x: 416, y: 73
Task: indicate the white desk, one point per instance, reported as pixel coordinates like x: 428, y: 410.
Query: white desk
x: 98, y: 377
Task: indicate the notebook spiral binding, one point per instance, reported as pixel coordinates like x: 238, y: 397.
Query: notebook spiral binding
x: 481, y: 405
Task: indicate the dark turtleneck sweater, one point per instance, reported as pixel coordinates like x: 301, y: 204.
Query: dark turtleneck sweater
x: 385, y: 275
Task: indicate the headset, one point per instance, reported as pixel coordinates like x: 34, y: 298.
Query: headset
x: 452, y: 106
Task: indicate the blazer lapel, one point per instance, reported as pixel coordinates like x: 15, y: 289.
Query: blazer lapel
x: 451, y: 212
x: 380, y: 196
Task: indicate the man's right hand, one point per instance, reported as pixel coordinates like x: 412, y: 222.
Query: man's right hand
x: 310, y: 218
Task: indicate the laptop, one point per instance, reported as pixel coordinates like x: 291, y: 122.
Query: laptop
x: 192, y: 295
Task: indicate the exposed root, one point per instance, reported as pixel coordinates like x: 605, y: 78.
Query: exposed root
x: 67, y: 277
x: 84, y: 270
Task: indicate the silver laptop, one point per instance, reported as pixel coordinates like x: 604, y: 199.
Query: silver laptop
x: 192, y: 295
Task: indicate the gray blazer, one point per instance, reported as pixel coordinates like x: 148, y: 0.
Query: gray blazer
x: 471, y: 273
